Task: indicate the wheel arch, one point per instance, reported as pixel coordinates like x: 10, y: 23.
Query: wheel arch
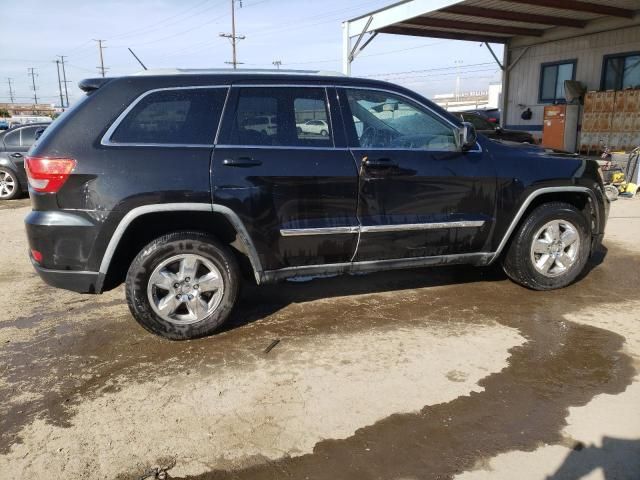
x: 582, y: 198
x: 143, y: 224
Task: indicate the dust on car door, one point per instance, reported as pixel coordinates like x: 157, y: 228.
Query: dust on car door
x: 295, y: 191
x: 420, y: 195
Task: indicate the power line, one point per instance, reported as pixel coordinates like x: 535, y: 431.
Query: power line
x: 455, y: 67
x: 162, y: 24
x: 32, y: 73
x: 232, y: 36
x: 11, y: 96
x: 100, y: 48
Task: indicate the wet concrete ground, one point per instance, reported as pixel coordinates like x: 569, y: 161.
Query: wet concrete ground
x: 431, y: 373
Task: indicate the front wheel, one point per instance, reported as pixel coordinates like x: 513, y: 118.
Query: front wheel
x: 550, y: 249
x: 182, y: 285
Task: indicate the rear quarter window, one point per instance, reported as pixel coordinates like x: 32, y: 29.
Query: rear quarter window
x: 177, y: 117
x: 12, y: 139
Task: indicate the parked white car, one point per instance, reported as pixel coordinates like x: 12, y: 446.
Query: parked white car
x: 264, y: 123
x: 318, y: 127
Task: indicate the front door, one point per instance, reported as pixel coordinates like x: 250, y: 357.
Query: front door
x: 295, y: 188
x: 419, y: 194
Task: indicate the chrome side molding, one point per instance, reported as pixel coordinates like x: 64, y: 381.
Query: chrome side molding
x: 293, y: 232
x: 296, y: 232
x: 422, y: 226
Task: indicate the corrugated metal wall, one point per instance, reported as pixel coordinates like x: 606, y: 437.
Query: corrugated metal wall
x: 524, y: 78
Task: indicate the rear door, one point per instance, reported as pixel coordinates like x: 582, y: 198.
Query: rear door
x: 17, y: 144
x: 419, y: 194
x: 294, y: 190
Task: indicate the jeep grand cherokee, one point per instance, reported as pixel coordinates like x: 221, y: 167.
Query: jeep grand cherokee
x: 158, y: 180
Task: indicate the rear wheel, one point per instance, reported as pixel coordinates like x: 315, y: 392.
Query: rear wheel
x: 324, y: 133
x: 550, y: 248
x: 183, y: 285
x: 9, y: 185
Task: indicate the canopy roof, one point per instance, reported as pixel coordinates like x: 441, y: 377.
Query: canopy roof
x: 494, y: 21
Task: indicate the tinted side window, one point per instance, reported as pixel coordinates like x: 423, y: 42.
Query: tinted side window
x: 384, y: 120
x: 12, y: 139
x: 29, y: 136
x: 280, y: 117
x: 186, y: 116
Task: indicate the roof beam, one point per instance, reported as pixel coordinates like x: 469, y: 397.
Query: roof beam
x: 482, y: 12
x: 423, y: 32
x: 473, y: 26
x: 397, y: 12
x: 579, y: 6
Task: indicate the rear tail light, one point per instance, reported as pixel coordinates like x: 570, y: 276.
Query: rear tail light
x: 37, y: 256
x: 47, y: 175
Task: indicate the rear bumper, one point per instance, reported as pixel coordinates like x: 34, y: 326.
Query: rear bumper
x: 81, y: 282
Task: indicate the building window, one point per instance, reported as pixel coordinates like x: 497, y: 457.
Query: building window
x: 552, y: 77
x: 621, y: 71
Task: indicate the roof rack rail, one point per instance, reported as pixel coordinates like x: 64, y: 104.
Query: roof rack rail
x: 230, y: 71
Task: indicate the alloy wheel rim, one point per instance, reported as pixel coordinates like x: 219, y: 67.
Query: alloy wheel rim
x: 185, y: 289
x: 555, y: 248
x: 7, y: 184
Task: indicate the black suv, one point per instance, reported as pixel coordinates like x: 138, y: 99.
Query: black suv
x: 165, y: 181
x: 14, y: 145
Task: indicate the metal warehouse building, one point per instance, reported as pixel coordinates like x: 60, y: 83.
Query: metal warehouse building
x: 545, y: 43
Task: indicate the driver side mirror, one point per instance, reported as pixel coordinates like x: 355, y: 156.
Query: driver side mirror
x: 467, y: 136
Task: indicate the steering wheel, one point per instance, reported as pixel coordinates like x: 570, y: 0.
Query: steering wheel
x: 368, y: 137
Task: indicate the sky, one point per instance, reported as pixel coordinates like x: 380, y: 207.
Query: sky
x: 302, y: 34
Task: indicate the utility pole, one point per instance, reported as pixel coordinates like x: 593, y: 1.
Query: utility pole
x: 232, y: 36
x: 32, y: 73
x: 277, y: 63
x: 100, y: 48
x: 10, y: 90
x: 64, y: 81
x: 59, y: 83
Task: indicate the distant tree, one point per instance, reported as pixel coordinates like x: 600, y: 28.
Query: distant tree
x: 4, y: 113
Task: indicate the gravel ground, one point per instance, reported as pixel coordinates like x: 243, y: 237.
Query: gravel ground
x: 434, y: 373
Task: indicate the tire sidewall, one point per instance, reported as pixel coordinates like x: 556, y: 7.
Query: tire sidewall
x: 159, y: 250
x: 542, y: 216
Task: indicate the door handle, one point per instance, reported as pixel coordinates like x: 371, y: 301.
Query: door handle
x: 16, y: 155
x: 379, y: 163
x: 241, y: 162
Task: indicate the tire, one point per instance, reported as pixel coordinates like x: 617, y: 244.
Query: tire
x: 324, y: 133
x: 9, y: 184
x: 525, y: 262
x: 163, y: 289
